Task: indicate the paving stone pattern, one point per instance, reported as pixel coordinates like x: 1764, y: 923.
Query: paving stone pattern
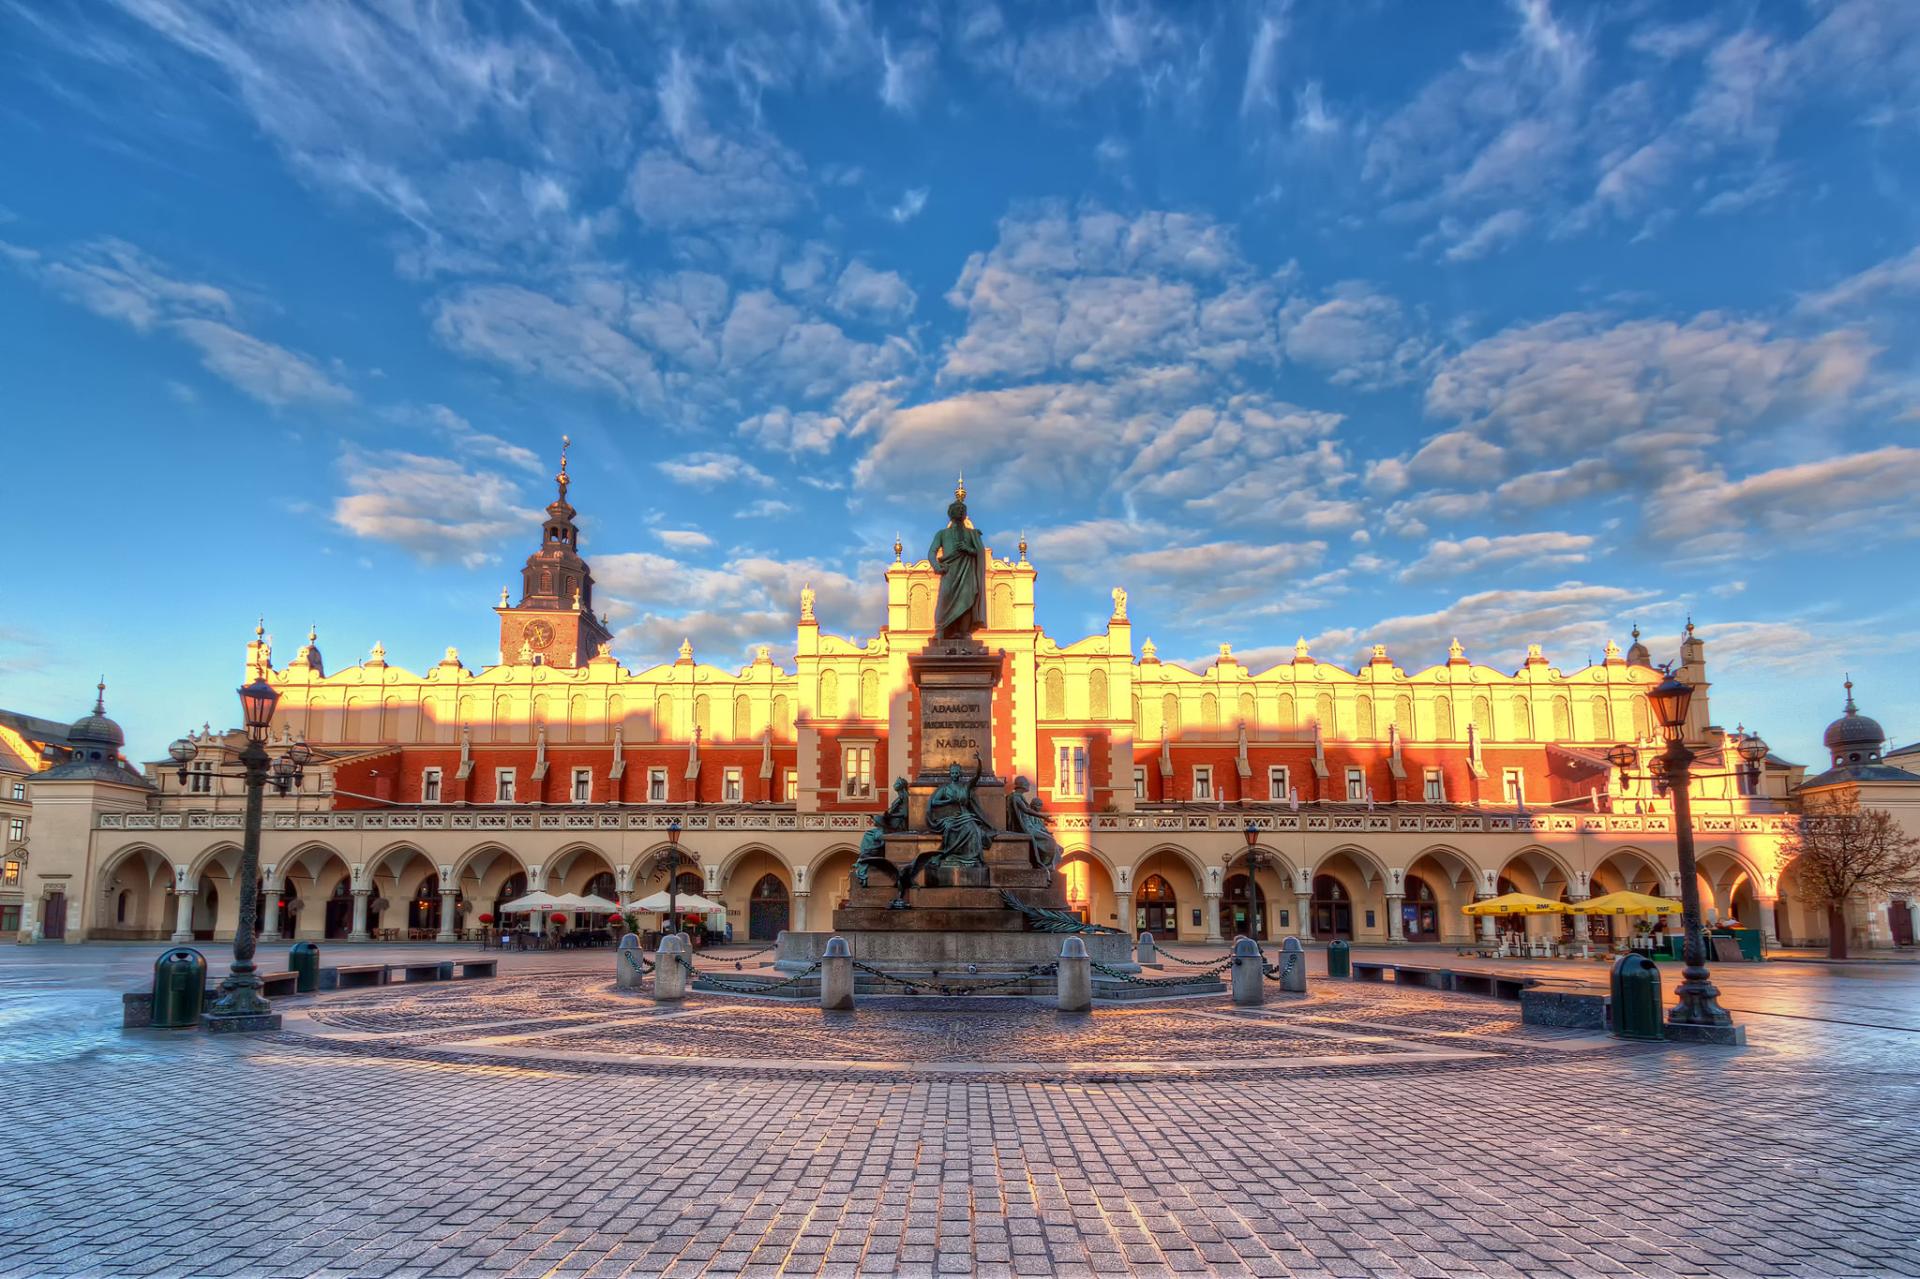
x: 157, y: 1154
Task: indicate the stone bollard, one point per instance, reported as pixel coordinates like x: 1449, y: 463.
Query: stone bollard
x: 1146, y: 954
x: 670, y: 970
x: 1293, y: 966
x: 627, y: 971
x: 1248, y: 978
x: 836, y: 975
x: 1074, y: 993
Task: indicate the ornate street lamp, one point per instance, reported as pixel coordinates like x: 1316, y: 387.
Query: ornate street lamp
x: 1255, y: 860
x: 240, y: 996
x: 1698, y: 998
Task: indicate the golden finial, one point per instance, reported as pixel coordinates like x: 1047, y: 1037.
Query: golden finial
x: 1023, y: 546
x: 566, y: 442
x: 896, y: 548
x: 960, y: 488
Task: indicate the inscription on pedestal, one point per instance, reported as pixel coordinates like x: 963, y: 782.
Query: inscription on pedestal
x: 954, y: 724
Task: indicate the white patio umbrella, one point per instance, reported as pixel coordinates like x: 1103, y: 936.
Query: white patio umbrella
x: 688, y: 903
x: 597, y: 904
x: 532, y: 901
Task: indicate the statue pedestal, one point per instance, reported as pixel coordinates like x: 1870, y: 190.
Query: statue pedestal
x: 953, y: 898
x: 953, y: 685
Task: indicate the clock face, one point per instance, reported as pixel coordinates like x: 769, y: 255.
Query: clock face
x: 539, y: 634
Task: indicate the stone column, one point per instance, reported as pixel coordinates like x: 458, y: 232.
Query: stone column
x: 1396, y: 922
x: 799, y: 924
x: 1489, y: 925
x: 448, y: 898
x: 1123, y: 906
x: 269, y: 915
x: 359, y: 932
x: 1580, y: 933
x: 1769, y: 924
x: 29, y: 926
x: 1213, y: 917
x: 1303, y: 916
x: 183, y: 917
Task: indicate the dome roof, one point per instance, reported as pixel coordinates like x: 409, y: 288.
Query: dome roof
x: 1638, y: 655
x: 1854, y: 732
x: 96, y: 729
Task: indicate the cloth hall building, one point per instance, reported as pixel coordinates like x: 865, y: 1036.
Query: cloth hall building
x: 1384, y: 798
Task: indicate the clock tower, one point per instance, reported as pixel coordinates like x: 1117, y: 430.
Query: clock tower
x: 554, y: 623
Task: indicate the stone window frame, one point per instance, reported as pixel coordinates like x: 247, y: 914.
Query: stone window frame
x: 1062, y: 784
x: 1284, y: 776
x: 505, y: 794
x: 733, y: 784
x: 1433, y: 786
x: 848, y: 745
x: 657, y: 790
x: 1356, y: 784
x: 1139, y: 781
x: 430, y: 783
x: 581, y: 773
x: 16, y: 830
x: 1203, y: 774
x: 1513, y: 786
x: 789, y: 785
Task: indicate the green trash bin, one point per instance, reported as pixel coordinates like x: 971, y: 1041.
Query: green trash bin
x: 304, y: 960
x: 1636, y: 1008
x: 179, y: 988
x: 1339, y: 960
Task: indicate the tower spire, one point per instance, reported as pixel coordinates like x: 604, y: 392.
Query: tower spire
x: 960, y: 487
x: 566, y: 442
x: 100, y: 696
x: 1851, y: 708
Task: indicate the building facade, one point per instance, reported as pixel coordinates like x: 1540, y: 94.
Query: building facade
x: 1382, y: 799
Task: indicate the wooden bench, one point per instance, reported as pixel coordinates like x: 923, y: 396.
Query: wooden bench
x: 277, y: 985
x: 472, y: 968
x: 357, y: 976
x: 1370, y: 972
x: 429, y: 971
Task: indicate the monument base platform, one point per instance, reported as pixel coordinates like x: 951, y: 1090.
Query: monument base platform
x: 923, y: 949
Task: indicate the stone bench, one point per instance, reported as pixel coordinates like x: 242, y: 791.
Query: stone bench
x: 432, y: 970
x: 1495, y: 985
x: 1369, y: 972
x: 1431, y: 978
x: 472, y: 968
x: 278, y: 985
x: 353, y: 976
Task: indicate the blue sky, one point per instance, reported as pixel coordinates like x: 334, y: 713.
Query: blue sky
x: 1368, y: 322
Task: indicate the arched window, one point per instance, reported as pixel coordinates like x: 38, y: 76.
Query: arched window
x: 919, y: 607
x: 768, y: 909
x: 1286, y: 710
x: 1053, y: 702
x: 870, y: 694
x: 1155, y: 909
x: 1000, y: 607
x: 1323, y: 714
x: 1420, y: 911
x: 1602, y: 720
x: 1562, y: 720
x: 1642, y: 720
x: 1522, y: 718
x: 1483, y: 717
x: 601, y: 885
x: 742, y: 718
x: 1332, y: 908
x: 1170, y: 715
x: 1443, y: 718
x: 782, y: 716
x: 1209, y: 713
x: 829, y: 695
x: 1097, y: 694
x: 1248, y: 715
x: 703, y: 716
x: 1363, y: 717
x: 663, y: 717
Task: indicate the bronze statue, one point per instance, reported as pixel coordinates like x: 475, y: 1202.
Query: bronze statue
x: 959, y: 556
x: 1025, y: 815
x: 955, y: 816
x: 873, y: 844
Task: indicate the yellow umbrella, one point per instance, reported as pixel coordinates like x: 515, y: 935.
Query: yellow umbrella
x: 1626, y: 903
x: 1515, y: 904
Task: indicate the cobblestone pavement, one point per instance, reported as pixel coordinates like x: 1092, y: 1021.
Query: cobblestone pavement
x: 546, y: 1124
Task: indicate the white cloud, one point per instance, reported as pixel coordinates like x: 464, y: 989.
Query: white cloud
x: 1489, y: 234
x: 1899, y: 275
x: 1572, y: 619
x: 712, y: 179
x: 1258, y: 90
x: 765, y: 509
x: 683, y: 539
x: 1058, y: 61
x: 725, y: 611
x: 880, y: 297
x: 1358, y: 333
x: 530, y: 332
x: 116, y: 280
x: 432, y: 507
x: 906, y: 74
x: 709, y: 470
x: 1507, y: 552
x: 910, y: 204
x: 1857, y: 495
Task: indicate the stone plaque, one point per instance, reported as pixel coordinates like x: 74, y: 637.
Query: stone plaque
x: 954, y: 724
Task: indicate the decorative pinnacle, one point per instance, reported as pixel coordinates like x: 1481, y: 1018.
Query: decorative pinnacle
x: 566, y: 442
x: 100, y: 697
x: 896, y: 548
x: 1023, y: 546
x: 1689, y: 625
x: 260, y: 629
x: 960, y: 488
x: 313, y: 632
x: 1851, y: 708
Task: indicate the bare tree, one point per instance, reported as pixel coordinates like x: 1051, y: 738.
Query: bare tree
x: 1844, y: 850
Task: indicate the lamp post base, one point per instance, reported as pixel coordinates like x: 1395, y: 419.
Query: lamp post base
x: 1682, y: 1032
x: 239, y: 1023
